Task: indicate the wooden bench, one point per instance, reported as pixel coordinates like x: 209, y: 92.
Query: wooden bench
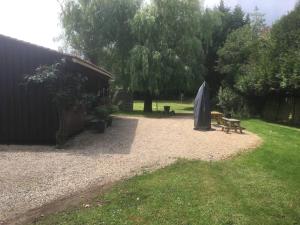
x: 217, y: 116
x: 231, y: 124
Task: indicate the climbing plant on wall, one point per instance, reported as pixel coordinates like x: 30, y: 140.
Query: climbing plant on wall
x: 64, y: 88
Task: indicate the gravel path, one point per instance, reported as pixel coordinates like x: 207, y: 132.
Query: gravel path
x: 31, y: 176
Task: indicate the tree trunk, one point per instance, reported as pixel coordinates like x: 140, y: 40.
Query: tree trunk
x: 148, y: 103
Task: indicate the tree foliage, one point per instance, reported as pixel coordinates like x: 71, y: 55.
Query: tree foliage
x: 218, y: 23
x: 257, y: 61
x: 168, y: 55
x: 100, y: 31
x: 66, y: 89
x: 286, y: 36
x: 165, y: 47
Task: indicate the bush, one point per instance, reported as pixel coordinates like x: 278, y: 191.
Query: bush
x: 102, y: 112
x: 90, y: 101
x: 100, y: 126
x: 113, y: 109
x: 232, y: 103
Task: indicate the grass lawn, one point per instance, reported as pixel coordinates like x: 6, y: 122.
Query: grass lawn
x: 259, y: 187
x: 178, y: 107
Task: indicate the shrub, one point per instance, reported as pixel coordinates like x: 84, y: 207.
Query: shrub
x: 90, y: 101
x: 113, y: 109
x: 232, y: 103
x: 102, y: 112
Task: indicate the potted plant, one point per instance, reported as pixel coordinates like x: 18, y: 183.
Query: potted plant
x: 100, y: 126
x: 109, y: 121
x: 101, y: 114
x: 167, y: 109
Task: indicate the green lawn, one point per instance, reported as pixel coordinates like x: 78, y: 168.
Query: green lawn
x: 259, y: 187
x: 185, y: 107
x: 178, y: 107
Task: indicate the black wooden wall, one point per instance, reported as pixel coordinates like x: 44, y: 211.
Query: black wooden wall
x: 26, y: 115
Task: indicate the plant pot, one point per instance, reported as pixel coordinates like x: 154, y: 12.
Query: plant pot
x: 90, y: 121
x: 109, y: 121
x: 100, y: 126
x: 167, y: 109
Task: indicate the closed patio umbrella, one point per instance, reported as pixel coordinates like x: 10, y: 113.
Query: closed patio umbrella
x: 202, y: 117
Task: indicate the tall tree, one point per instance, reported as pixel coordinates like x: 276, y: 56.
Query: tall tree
x: 258, y: 22
x: 273, y: 62
x: 222, y: 8
x: 245, y: 61
x: 243, y: 56
x: 238, y: 18
x: 286, y: 53
x: 220, y: 22
x: 100, y: 31
x: 235, y: 54
x: 256, y: 61
x: 168, y: 55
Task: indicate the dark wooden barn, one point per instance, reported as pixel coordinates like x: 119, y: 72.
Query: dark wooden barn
x: 29, y: 115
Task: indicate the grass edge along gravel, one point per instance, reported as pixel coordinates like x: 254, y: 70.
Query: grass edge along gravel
x: 258, y: 187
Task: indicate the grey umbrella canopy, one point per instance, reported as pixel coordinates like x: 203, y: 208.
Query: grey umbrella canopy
x: 202, y: 116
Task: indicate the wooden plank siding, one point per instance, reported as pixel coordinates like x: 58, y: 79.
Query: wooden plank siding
x: 283, y: 109
x: 28, y: 115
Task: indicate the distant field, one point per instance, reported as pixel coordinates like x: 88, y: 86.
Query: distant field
x: 177, y: 106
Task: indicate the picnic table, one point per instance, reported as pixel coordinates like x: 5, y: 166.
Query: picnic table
x: 231, y: 124
x: 217, y: 116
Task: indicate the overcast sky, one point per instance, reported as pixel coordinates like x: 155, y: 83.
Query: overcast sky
x: 273, y: 9
x: 36, y: 21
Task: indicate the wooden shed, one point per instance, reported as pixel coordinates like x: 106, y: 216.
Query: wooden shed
x: 30, y: 116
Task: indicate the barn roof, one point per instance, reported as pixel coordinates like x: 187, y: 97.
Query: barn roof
x: 74, y: 59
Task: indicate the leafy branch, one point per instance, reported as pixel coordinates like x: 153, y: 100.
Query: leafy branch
x: 64, y: 87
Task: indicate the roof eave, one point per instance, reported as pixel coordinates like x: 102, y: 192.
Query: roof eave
x: 91, y: 66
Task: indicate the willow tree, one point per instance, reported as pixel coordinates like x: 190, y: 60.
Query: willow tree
x: 168, y: 55
x: 100, y: 31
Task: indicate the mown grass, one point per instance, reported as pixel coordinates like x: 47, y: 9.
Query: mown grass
x: 184, y: 108
x: 180, y: 108
x: 177, y: 106
x: 258, y: 187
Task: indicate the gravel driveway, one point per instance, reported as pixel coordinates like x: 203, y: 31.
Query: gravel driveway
x: 31, y: 176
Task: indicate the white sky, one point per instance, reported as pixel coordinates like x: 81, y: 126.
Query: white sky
x: 273, y: 9
x: 37, y: 21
